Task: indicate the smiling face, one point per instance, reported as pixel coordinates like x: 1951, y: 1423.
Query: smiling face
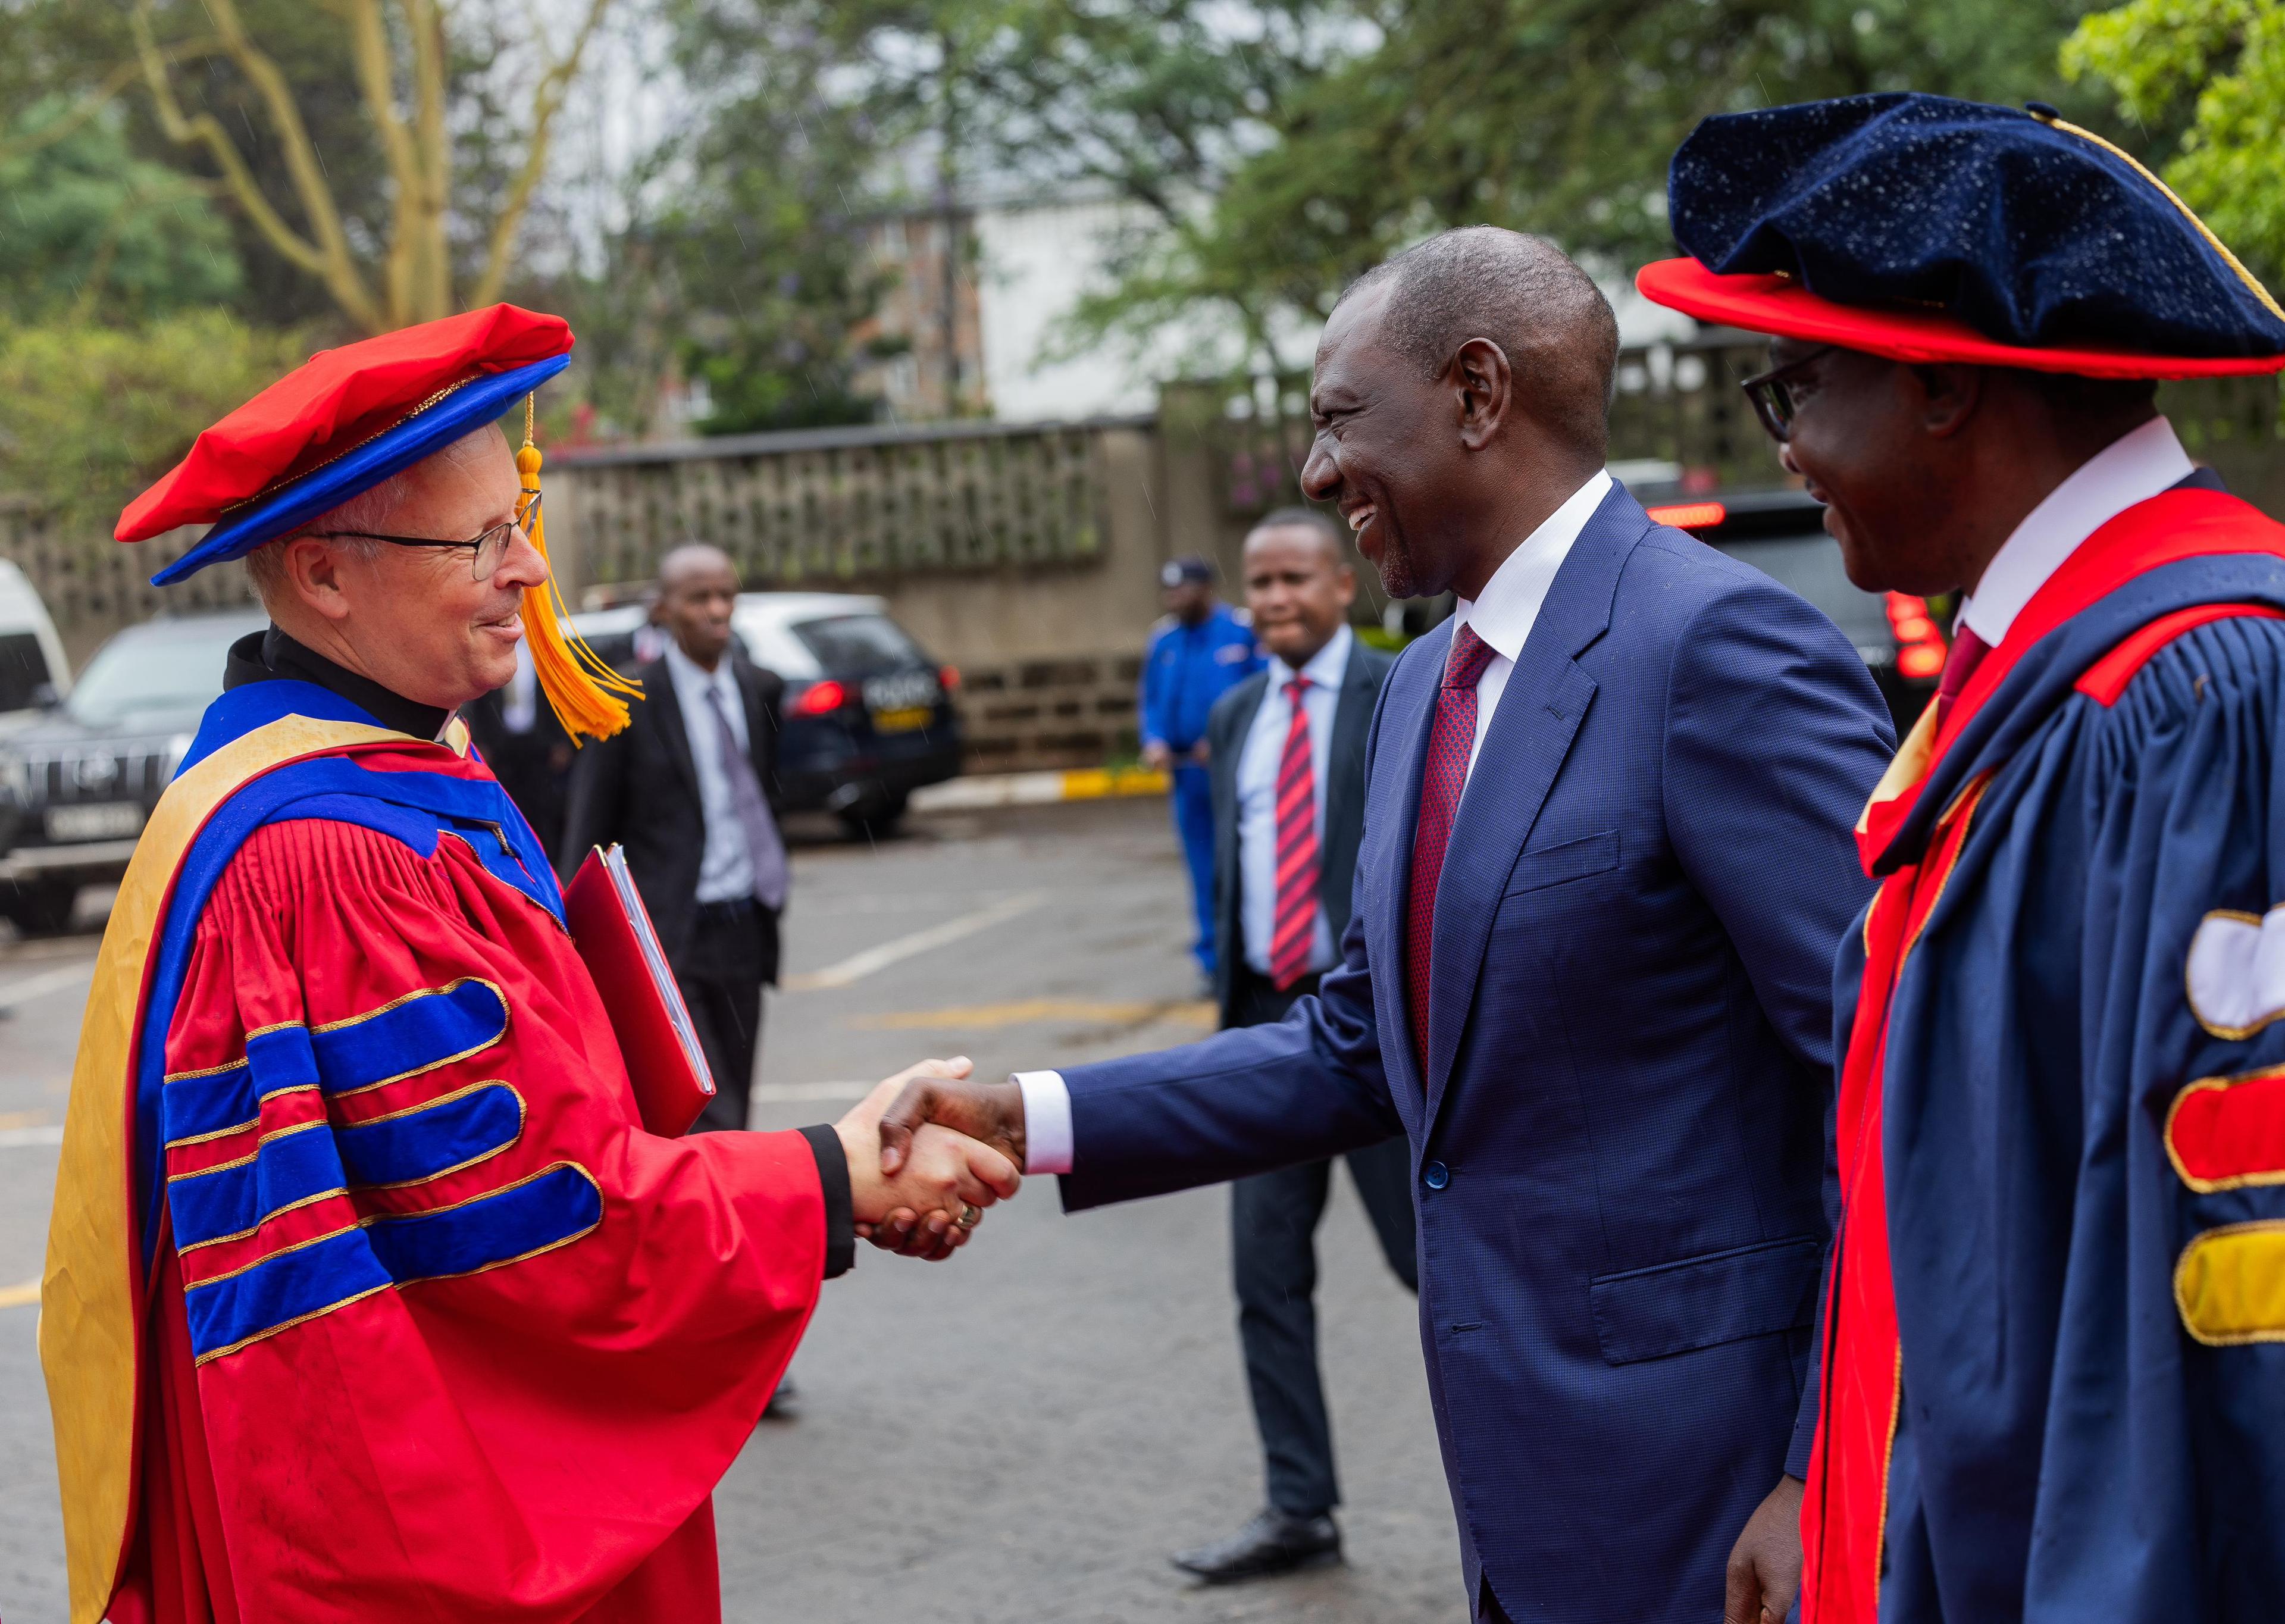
x: 415, y: 619
x: 1299, y: 587
x: 1863, y: 441
x: 1384, y: 453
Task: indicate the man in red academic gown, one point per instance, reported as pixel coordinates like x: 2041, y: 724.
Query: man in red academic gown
x: 367, y: 1296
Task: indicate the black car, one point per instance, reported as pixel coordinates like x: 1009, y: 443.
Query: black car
x: 1781, y: 533
x: 868, y: 715
x: 77, y: 784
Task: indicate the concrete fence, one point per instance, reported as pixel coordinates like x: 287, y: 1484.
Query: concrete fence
x: 1027, y: 554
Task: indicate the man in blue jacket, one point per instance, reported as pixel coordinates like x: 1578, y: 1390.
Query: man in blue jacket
x: 1606, y: 864
x: 1198, y: 653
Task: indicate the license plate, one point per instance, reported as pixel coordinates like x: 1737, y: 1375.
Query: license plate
x: 107, y: 821
x: 903, y: 720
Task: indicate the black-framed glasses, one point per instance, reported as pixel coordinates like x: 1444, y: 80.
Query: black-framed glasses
x: 485, y: 550
x: 1772, y: 396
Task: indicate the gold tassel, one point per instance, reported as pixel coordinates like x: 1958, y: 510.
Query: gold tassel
x: 581, y: 688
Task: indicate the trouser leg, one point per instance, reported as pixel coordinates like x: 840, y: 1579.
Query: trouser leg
x: 1273, y: 1234
x: 1383, y: 1181
x: 723, y: 987
x: 1193, y: 800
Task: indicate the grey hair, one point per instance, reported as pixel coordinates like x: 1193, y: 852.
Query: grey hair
x: 370, y: 509
x: 1524, y: 295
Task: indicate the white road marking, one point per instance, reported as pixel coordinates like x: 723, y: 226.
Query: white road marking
x: 21, y: 1139
x: 30, y: 988
x: 858, y: 966
x: 24, y: 1296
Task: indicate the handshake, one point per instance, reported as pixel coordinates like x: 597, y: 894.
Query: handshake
x: 928, y: 1151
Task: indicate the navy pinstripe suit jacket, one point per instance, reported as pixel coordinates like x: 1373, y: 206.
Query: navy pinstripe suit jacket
x: 1618, y: 1143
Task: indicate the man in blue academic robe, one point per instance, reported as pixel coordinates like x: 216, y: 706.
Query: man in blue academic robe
x: 2052, y: 1383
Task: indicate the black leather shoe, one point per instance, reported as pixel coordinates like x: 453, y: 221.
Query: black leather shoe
x: 1273, y: 1543
x: 784, y: 1404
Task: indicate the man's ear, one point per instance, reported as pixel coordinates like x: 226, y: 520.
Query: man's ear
x: 1949, y: 396
x: 312, y: 577
x: 1484, y: 389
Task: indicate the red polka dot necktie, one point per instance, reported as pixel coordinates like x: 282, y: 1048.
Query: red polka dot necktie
x: 1450, y: 738
x: 1297, y: 859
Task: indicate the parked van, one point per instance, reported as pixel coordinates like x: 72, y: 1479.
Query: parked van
x: 33, y: 672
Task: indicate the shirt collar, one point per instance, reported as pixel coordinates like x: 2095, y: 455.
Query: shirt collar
x: 1326, y: 667
x: 688, y: 674
x: 1504, y: 615
x: 272, y: 655
x: 2134, y: 467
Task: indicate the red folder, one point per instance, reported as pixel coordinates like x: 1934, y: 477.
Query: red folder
x: 612, y: 931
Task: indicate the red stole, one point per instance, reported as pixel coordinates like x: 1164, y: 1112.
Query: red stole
x: 1844, y: 1515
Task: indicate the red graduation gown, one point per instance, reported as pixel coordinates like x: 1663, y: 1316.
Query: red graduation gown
x: 533, y: 1439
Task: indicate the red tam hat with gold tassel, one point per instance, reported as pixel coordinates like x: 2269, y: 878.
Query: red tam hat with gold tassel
x: 346, y: 420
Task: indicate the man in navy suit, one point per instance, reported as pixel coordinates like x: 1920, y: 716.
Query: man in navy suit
x: 1287, y: 765
x: 1608, y: 860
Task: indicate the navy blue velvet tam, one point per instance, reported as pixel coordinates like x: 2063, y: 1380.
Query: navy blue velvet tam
x: 2043, y: 245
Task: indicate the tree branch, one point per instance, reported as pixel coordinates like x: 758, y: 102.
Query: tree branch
x: 326, y: 252
x: 547, y: 101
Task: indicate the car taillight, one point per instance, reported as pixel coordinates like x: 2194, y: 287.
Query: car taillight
x: 820, y: 699
x: 1919, y: 645
x: 949, y: 676
x: 1689, y: 515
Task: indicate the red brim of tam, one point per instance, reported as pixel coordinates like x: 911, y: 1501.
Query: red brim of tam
x: 1781, y: 306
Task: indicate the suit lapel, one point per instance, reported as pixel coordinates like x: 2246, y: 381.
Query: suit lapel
x: 1352, y: 721
x: 664, y: 708
x: 1392, y: 806
x: 1546, y: 698
x: 1228, y: 757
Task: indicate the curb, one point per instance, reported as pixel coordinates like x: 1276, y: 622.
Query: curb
x: 1037, y: 788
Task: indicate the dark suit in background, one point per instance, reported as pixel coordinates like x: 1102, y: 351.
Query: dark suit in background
x: 640, y: 789
x: 527, y: 750
x: 1274, y: 1215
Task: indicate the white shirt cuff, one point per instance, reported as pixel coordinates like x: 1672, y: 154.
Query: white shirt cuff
x: 1047, y: 1122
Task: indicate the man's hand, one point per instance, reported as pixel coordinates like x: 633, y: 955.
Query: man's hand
x: 942, y: 1092
x: 1158, y: 754
x: 1765, y: 1563
x: 939, y: 1172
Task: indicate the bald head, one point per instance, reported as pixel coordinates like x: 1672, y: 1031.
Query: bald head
x: 697, y: 590
x: 1522, y: 293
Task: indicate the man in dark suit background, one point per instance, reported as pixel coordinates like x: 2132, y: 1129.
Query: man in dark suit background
x: 688, y: 788
x: 1607, y: 863
x: 525, y: 746
x: 1288, y: 797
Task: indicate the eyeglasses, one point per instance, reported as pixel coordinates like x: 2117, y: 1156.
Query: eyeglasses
x: 1772, y: 397
x: 485, y: 550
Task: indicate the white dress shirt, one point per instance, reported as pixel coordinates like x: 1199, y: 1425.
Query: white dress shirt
x: 1502, y: 617
x: 2134, y: 467
x: 1509, y: 608
x: 725, y: 868
x: 1263, y: 753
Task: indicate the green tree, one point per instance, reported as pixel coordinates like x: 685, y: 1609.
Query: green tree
x: 2209, y: 74
x: 1556, y: 116
x: 384, y: 153
x: 744, y: 265
x: 88, y: 228
x: 88, y: 414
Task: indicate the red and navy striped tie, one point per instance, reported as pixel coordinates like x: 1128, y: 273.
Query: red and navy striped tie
x: 1296, y: 930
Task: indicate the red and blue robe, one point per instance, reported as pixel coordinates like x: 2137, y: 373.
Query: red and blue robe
x: 367, y: 1297
x: 2053, y: 1336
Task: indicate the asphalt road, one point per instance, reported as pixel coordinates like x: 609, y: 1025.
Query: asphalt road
x: 1022, y: 1433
